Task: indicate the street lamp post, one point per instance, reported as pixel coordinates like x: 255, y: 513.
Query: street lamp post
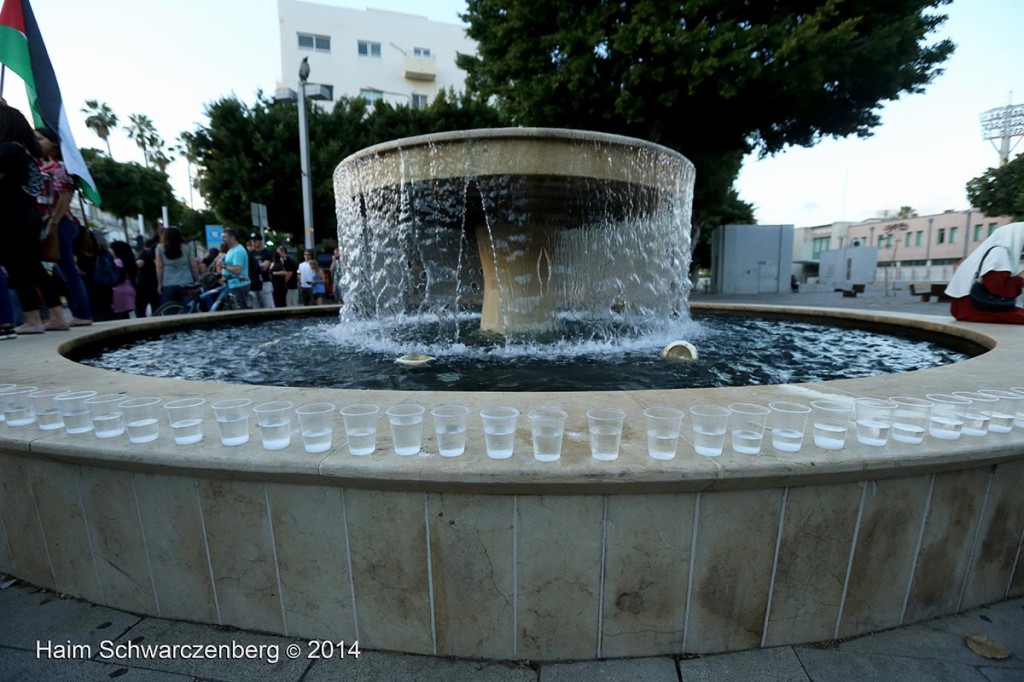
x: 307, y: 185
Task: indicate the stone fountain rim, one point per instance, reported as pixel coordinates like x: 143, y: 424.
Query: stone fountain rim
x: 512, y: 134
x: 42, y: 361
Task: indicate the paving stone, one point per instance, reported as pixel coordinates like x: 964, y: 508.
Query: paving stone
x: 1001, y: 674
x: 373, y: 666
x: 943, y: 638
x: 31, y: 615
x: 220, y: 666
x: 17, y: 665
x: 824, y: 665
x: 776, y: 665
x: 623, y: 670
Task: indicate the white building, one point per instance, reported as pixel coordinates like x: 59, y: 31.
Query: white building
x: 375, y: 54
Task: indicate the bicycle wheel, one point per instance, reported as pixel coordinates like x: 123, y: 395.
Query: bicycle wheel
x: 171, y: 308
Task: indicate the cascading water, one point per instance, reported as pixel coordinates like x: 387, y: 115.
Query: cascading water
x: 555, y: 235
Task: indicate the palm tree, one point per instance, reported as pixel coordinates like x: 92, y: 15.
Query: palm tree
x: 185, y: 149
x: 142, y: 132
x: 101, y: 118
x: 156, y: 153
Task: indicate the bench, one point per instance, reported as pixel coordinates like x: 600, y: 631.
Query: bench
x: 939, y: 291
x: 924, y: 295
x: 927, y: 290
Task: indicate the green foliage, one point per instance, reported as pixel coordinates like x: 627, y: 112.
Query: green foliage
x: 1000, y: 191
x: 192, y: 223
x: 713, y: 80
x: 129, y: 189
x: 251, y: 153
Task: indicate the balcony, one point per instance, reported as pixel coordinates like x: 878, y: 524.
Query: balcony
x: 420, y: 68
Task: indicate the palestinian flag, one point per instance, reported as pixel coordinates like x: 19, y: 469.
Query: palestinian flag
x: 23, y: 52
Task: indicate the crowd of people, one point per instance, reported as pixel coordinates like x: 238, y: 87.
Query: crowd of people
x: 50, y: 255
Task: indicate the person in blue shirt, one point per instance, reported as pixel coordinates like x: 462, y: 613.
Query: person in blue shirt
x: 236, y: 268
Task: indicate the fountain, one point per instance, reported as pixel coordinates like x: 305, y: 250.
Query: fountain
x: 515, y: 558
x: 564, y: 222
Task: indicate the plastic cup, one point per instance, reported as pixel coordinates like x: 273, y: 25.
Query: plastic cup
x: 361, y: 428
x: 709, y: 424
x: 74, y: 412
x: 874, y: 421
x: 16, y: 404
x: 746, y: 424
x: 450, y: 424
x: 406, y: 428
x: 499, y: 431
x: 4, y: 387
x: 186, y: 419
x: 910, y: 419
x: 978, y: 414
x: 106, y: 414
x: 315, y: 424
x: 605, y: 432
x: 663, y: 426
x: 1003, y: 414
x: 44, y: 404
x: 788, y: 423
x: 831, y: 419
x: 547, y: 426
x: 141, y: 419
x: 947, y: 418
x: 233, y: 420
x: 275, y: 422
x: 1018, y: 420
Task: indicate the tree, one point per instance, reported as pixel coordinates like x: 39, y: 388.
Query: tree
x: 712, y: 80
x: 156, y: 153
x: 100, y: 119
x: 142, y: 132
x: 1000, y: 191
x: 893, y: 230
x: 129, y: 189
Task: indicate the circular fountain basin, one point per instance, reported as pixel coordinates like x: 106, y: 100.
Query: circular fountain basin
x: 518, y: 559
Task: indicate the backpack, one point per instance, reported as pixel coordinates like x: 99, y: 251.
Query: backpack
x: 106, y: 273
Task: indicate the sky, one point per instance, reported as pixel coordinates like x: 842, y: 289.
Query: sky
x: 168, y: 58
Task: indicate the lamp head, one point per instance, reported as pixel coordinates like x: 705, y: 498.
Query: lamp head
x: 304, y: 69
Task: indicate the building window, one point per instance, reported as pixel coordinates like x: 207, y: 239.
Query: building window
x: 422, y: 52
x: 977, y: 232
x: 952, y: 235
x: 818, y: 245
x: 906, y: 239
x: 941, y: 236
x: 368, y: 49
x: 419, y: 101
x: 991, y: 228
x: 919, y: 238
x: 371, y: 96
x: 881, y: 241
x: 308, y: 41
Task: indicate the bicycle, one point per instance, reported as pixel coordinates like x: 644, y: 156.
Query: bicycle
x: 197, y: 300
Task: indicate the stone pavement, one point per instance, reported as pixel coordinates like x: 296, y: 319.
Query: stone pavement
x: 873, y: 298
x: 93, y: 641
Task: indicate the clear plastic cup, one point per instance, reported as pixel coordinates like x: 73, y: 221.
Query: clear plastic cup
x: 17, y: 405
x: 874, y: 421
x: 4, y: 387
x: 663, y: 426
x: 44, y: 404
x: 605, y: 432
x: 141, y: 419
x: 788, y: 423
x: 831, y: 420
x: 315, y: 424
x: 978, y: 414
x: 499, y: 431
x: 910, y: 419
x: 186, y: 419
x: 746, y: 425
x: 74, y: 412
x: 947, y: 418
x: 233, y: 420
x: 1003, y: 414
x: 361, y: 428
x: 275, y: 422
x: 406, y: 428
x: 547, y: 426
x: 106, y: 414
x: 1018, y: 420
x: 450, y: 424
x: 709, y: 424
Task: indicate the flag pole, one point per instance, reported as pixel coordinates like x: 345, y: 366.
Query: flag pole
x: 3, y: 76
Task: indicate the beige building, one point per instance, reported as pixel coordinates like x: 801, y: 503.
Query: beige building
x: 923, y: 248
x: 374, y: 54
